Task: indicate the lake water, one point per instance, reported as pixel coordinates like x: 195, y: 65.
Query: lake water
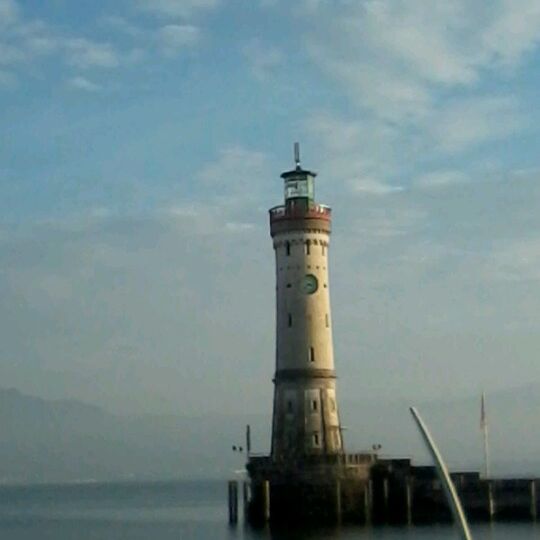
x: 174, y: 510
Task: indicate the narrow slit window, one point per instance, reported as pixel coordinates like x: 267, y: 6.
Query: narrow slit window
x: 289, y: 319
x: 314, y: 405
x: 308, y: 247
x: 315, y: 439
x: 311, y: 354
x: 326, y: 320
x: 323, y: 249
x: 288, y: 248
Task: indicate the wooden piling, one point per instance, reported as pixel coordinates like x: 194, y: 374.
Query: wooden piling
x: 533, y: 500
x: 409, y: 499
x: 368, y: 501
x: 386, y: 494
x: 233, y: 501
x: 491, y: 500
x: 338, y: 501
x: 245, y: 497
x: 266, y: 500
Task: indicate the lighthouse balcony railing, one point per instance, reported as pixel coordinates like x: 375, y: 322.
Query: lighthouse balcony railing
x: 292, y: 211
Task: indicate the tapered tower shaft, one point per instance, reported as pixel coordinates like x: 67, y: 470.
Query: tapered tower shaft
x: 305, y: 416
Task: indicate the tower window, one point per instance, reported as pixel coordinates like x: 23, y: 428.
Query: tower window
x: 308, y: 247
x: 326, y: 320
x: 316, y: 439
x: 288, y: 285
x: 311, y: 354
x: 288, y: 248
x: 323, y: 249
x: 314, y: 405
x: 289, y: 319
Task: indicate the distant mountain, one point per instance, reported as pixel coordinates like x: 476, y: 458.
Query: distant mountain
x: 67, y: 440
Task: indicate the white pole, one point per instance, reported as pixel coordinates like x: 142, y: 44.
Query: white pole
x: 484, y: 427
x: 453, y: 500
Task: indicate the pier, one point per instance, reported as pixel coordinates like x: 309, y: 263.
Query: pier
x: 366, y: 490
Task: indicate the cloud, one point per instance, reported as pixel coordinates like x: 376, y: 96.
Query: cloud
x: 122, y: 25
x: 9, y: 12
x: 516, y: 261
x: 10, y: 55
x: 176, y: 8
x: 371, y: 186
x: 441, y: 178
x: 237, y: 175
x: 82, y: 83
x: 359, y: 152
x: 464, y: 123
x: 175, y: 37
x: 83, y: 53
x: 231, y: 193
x: 263, y: 59
x: 96, y: 297
x: 513, y: 32
x: 389, y: 56
x: 7, y: 79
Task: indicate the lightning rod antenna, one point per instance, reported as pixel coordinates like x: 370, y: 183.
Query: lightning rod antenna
x: 297, y: 154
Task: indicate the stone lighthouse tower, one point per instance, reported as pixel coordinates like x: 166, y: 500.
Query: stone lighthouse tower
x: 307, y: 475
x: 305, y: 413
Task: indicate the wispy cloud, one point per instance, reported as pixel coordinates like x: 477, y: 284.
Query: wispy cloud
x: 25, y: 41
x: 441, y: 178
x: 7, y: 79
x: 9, y: 12
x: 172, y: 38
x: 83, y: 53
x: 10, y: 54
x: 371, y: 186
x: 263, y: 59
x: 389, y: 56
x: 82, y: 83
x: 515, y: 261
x: 467, y: 122
x: 175, y: 8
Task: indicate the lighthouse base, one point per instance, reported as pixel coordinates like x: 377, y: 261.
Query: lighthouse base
x: 313, y: 489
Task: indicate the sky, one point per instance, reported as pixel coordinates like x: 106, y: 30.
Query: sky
x: 141, y: 143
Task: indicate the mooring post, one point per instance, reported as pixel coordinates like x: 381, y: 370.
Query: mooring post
x: 386, y: 493
x: 409, y: 500
x: 491, y: 500
x: 368, y: 501
x: 233, y: 501
x: 245, y: 493
x: 266, y: 500
x: 338, y: 501
x: 533, y: 500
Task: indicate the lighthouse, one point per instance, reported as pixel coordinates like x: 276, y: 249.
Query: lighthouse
x: 307, y: 476
x: 305, y: 411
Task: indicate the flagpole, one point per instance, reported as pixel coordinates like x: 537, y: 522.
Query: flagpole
x: 484, y: 428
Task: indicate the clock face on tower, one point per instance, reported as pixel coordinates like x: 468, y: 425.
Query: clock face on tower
x: 309, y: 284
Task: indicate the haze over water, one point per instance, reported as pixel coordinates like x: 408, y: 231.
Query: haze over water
x: 175, y: 510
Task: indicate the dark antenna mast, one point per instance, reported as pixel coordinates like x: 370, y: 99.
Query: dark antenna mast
x: 297, y: 154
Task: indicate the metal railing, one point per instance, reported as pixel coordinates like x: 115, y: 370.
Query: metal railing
x: 317, y: 211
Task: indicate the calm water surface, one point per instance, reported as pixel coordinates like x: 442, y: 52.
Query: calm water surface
x: 173, y: 510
